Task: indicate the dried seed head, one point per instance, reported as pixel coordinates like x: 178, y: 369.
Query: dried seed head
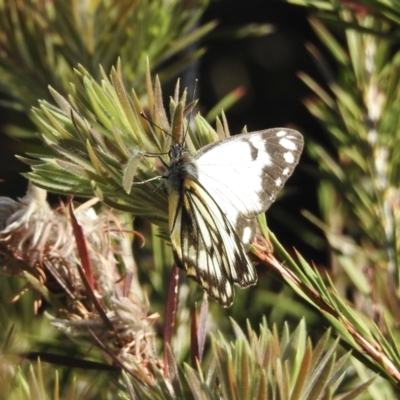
x: 43, y: 239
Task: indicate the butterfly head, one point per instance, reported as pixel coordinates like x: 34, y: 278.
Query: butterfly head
x: 176, y: 151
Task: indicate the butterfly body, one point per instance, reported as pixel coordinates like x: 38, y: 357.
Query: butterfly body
x: 214, y: 198
x: 181, y: 166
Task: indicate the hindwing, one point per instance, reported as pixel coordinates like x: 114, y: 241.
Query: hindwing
x: 206, y: 244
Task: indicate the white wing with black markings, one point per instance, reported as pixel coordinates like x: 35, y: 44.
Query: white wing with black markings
x: 214, y: 197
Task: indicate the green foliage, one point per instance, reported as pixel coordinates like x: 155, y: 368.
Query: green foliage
x: 358, y: 106
x: 101, y: 128
x: 42, y: 42
x: 358, y: 332
x: 259, y: 366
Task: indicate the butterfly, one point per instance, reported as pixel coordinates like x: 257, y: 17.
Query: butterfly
x: 214, y: 198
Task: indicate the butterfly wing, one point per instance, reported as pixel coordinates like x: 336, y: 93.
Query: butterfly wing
x: 244, y: 173
x: 206, y: 245
x: 216, y: 199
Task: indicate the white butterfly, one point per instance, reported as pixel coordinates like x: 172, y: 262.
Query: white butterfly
x: 214, y: 198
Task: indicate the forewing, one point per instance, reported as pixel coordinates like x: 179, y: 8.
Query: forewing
x: 206, y: 245
x: 244, y: 173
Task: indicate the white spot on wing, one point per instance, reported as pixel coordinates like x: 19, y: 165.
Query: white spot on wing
x: 286, y: 172
x: 278, y: 182
x: 202, y: 260
x: 289, y: 157
x: 217, y: 294
x: 217, y: 270
x: 281, y: 133
x: 192, y: 253
x: 246, y: 238
x: 288, y: 144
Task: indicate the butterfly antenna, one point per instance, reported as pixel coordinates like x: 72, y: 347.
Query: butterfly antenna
x: 144, y: 116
